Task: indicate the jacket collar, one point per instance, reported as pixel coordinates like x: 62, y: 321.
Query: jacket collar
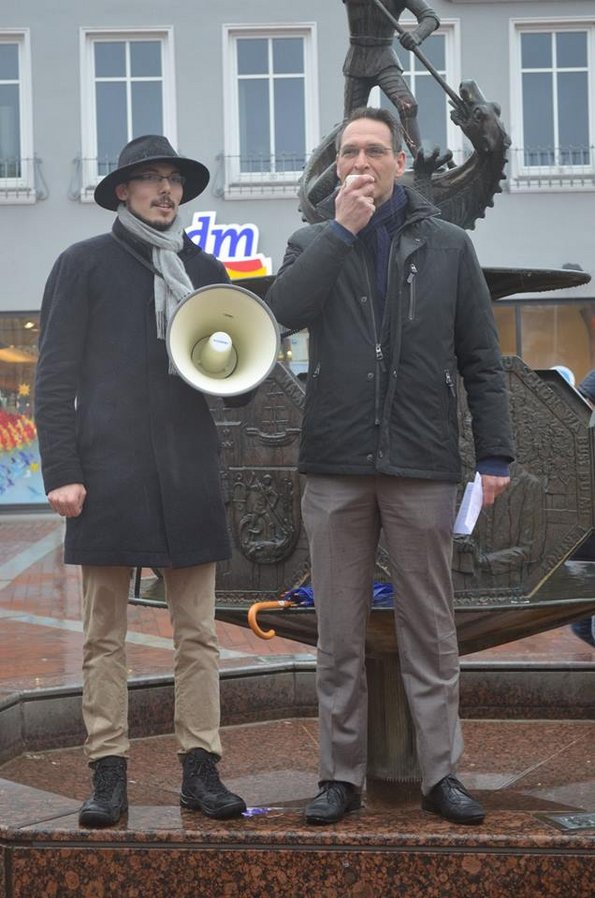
x: 418, y: 206
x: 124, y: 236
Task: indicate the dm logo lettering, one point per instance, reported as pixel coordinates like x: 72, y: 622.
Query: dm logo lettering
x: 233, y: 244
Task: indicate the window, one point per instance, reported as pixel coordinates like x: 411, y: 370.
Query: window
x: 128, y: 90
x: 17, y: 169
x: 271, y: 107
x: 553, y: 105
x: 20, y: 471
x: 442, y: 50
x: 546, y: 333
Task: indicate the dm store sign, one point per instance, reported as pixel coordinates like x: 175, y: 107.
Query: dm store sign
x: 233, y: 244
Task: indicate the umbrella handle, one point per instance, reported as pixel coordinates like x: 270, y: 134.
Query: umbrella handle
x: 279, y: 605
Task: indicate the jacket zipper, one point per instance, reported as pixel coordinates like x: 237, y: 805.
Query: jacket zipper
x: 450, y: 383
x: 380, y: 366
x: 411, y: 282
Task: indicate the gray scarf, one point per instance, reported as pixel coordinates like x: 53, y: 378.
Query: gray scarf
x: 174, y: 284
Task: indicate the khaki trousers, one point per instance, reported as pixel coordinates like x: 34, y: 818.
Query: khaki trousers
x: 190, y: 594
x: 344, y: 517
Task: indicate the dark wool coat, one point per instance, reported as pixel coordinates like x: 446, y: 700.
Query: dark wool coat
x: 109, y: 415
x: 381, y: 395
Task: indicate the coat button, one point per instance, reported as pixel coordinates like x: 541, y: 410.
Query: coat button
x: 394, y: 372
x: 370, y: 458
x: 370, y: 375
x: 364, y: 299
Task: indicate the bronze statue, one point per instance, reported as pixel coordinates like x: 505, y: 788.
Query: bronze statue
x: 371, y: 60
x: 461, y: 192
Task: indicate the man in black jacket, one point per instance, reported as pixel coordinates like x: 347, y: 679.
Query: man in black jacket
x: 396, y: 306
x: 130, y: 458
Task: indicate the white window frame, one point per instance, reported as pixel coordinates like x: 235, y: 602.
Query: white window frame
x: 238, y: 185
x: 88, y: 37
x: 451, y: 29
x: 548, y: 177
x: 22, y: 189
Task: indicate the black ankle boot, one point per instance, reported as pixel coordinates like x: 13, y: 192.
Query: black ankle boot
x: 202, y: 789
x: 110, y: 799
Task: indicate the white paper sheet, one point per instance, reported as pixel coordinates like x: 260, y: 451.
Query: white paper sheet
x: 470, y: 508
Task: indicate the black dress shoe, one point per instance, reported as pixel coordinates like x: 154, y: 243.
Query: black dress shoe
x: 110, y: 799
x: 333, y: 801
x: 450, y: 799
x: 202, y: 790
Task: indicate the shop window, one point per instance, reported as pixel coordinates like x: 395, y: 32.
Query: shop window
x: 20, y: 470
x: 546, y: 334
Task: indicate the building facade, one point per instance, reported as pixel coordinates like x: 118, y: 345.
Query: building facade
x: 250, y: 89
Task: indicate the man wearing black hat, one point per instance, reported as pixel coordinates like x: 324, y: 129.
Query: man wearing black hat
x: 130, y: 458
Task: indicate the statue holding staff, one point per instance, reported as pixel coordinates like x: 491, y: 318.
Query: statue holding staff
x: 461, y: 192
x: 371, y: 60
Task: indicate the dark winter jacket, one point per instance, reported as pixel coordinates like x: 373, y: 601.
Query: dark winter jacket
x: 109, y: 415
x: 381, y: 396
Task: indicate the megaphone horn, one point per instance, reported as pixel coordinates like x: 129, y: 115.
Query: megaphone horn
x: 223, y: 340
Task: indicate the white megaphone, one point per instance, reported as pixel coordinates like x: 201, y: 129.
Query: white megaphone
x: 223, y: 340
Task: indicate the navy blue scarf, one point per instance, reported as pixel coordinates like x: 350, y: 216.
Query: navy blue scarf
x: 378, y: 234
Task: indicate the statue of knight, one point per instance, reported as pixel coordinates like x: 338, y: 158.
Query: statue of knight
x: 371, y: 59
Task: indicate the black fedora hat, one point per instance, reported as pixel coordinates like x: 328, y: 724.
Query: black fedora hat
x: 143, y: 150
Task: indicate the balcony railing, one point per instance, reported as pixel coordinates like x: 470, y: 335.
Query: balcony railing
x: 552, y: 167
x: 529, y: 168
x: 21, y: 179
x: 258, y: 174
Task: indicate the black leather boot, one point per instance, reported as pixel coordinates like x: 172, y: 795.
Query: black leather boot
x: 110, y: 799
x: 202, y: 790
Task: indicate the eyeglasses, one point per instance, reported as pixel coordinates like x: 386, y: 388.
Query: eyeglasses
x: 373, y: 151
x: 151, y: 177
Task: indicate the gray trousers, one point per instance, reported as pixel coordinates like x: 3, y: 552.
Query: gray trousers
x: 343, y: 517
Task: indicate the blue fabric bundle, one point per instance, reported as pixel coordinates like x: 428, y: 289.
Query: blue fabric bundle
x: 303, y: 596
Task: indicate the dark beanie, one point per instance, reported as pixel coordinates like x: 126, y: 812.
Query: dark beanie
x: 587, y: 386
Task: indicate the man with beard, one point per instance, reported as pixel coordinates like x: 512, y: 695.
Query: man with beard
x: 130, y: 459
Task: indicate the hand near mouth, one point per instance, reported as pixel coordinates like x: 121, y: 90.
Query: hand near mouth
x: 354, y: 204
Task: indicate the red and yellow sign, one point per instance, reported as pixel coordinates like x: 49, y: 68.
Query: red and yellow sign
x: 233, y: 244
